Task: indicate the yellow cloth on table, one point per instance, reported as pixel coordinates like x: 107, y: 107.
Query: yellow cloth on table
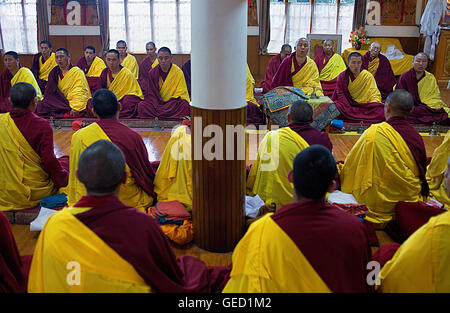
x: 421, y: 264
x: 96, y: 68
x: 174, y: 86
x: 23, y: 182
x: 435, y: 172
x: 46, y: 67
x: 66, y: 241
x: 266, y: 260
x: 130, y: 63
x: 24, y: 75
x: 130, y: 193
x: 250, y: 84
x: 429, y: 93
x: 75, y: 88
x: 124, y: 84
x: 364, y: 88
x: 268, y: 176
x: 379, y: 171
x: 334, y: 67
x: 307, y: 77
x: 173, y: 179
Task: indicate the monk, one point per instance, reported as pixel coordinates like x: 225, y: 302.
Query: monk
x: 150, y: 61
x: 299, y: 70
x: 357, y: 96
x: 254, y: 114
x: 428, y: 104
x: 388, y: 163
x: 307, y: 245
x: 127, y: 60
x: 168, y: 97
x: 12, y: 74
x: 420, y: 265
x: 268, y: 175
x: 29, y: 168
x: 121, y: 81
x: 43, y: 63
x: 116, y: 247
x: 330, y: 65
x: 67, y: 91
x: 92, y: 67
x: 274, y: 64
x: 137, y: 190
x: 380, y: 67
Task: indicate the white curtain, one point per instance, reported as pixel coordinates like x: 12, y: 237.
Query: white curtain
x: 18, y: 23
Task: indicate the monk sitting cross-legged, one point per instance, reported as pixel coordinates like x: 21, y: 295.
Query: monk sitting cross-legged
x: 43, y: 64
x: 150, y: 61
x: 92, y: 66
x: 127, y: 60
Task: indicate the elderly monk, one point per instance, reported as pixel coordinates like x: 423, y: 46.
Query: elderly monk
x: 330, y: 65
x: 428, y: 104
x: 43, y: 64
x: 121, y: 81
x: 67, y: 91
x: 117, y: 248
x: 127, y: 60
x: 167, y: 97
x: 29, y: 169
x: 92, y: 67
x: 299, y: 70
x: 12, y: 74
x: 307, y: 245
x: 380, y: 67
x: 357, y: 96
x: 268, y: 175
x: 388, y: 162
x: 274, y: 64
x: 150, y: 61
x: 137, y: 190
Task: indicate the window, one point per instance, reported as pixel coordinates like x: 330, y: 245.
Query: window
x: 165, y: 22
x: 293, y: 19
x: 18, y: 25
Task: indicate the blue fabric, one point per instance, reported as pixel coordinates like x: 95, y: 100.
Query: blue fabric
x: 55, y: 201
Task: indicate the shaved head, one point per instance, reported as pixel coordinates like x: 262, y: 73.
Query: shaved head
x: 421, y: 54
x: 401, y: 102
x: 300, y: 112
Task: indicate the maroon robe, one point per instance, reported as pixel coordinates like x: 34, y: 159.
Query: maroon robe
x: 328, y: 87
x: 254, y: 114
x: 352, y: 111
x: 92, y: 81
x: 144, y: 68
x: 137, y: 238
x: 422, y: 113
x: 35, y: 70
x: 187, y: 74
x: 283, y: 76
x: 311, y: 135
x: 272, y: 67
x: 384, y: 76
x: 335, y: 243
x: 5, y: 85
x: 154, y: 106
x: 385, y: 253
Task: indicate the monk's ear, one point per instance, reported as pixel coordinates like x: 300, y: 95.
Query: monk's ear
x: 291, y: 176
x: 332, y: 186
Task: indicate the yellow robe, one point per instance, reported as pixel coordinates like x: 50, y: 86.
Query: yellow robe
x: 66, y: 245
x: 75, y: 88
x: 96, y: 68
x: 156, y: 62
x: 130, y: 193
x: 173, y: 180
x: 268, y: 176
x: 23, y: 182
x: 307, y: 77
x: 379, y: 171
x: 124, y: 84
x: 373, y: 66
x: 429, y: 93
x: 174, y: 86
x: 435, y: 172
x: 266, y: 260
x: 46, y: 67
x: 249, y: 95
x: 26, y: 76
x: 364, y: 88
x: 334, y: 67
x: 421, y: 264
x: 130, y: 63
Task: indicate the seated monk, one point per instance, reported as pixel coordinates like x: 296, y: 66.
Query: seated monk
x: 12, y: 74
x: 299, y: 70
x: 127, y: 60
x: 167, y: 97
x: 121, y: 81
x: 357, y: 96
x: 274, y: 64
x: 268, y: 175
x: 117, y: 248
x: 67, y: 91
x: 428, y: 104
x: 388, y: 162
x: 92, y: 67
x: 307, y: 245
x: 147, y: 64
x: 186, y: 68
x: 29, y: 168
x: 330, y: 65
x: 254, y: 113
x: 420, y: 265
x: 137, y: 190
x: 380, y: 67
x: 43, y: 63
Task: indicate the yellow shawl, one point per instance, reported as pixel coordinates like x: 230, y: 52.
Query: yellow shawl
x: 75, y: 88
x: 334, y: 67
x: 46, y: 67
x: 307, y: 77
x: 26, y: 76
x: 124, y: 84
x: 96, y: 68
x: 429, y: 93
x: 130, y: 63
x: 364, y: 88
x: 174, y: 86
